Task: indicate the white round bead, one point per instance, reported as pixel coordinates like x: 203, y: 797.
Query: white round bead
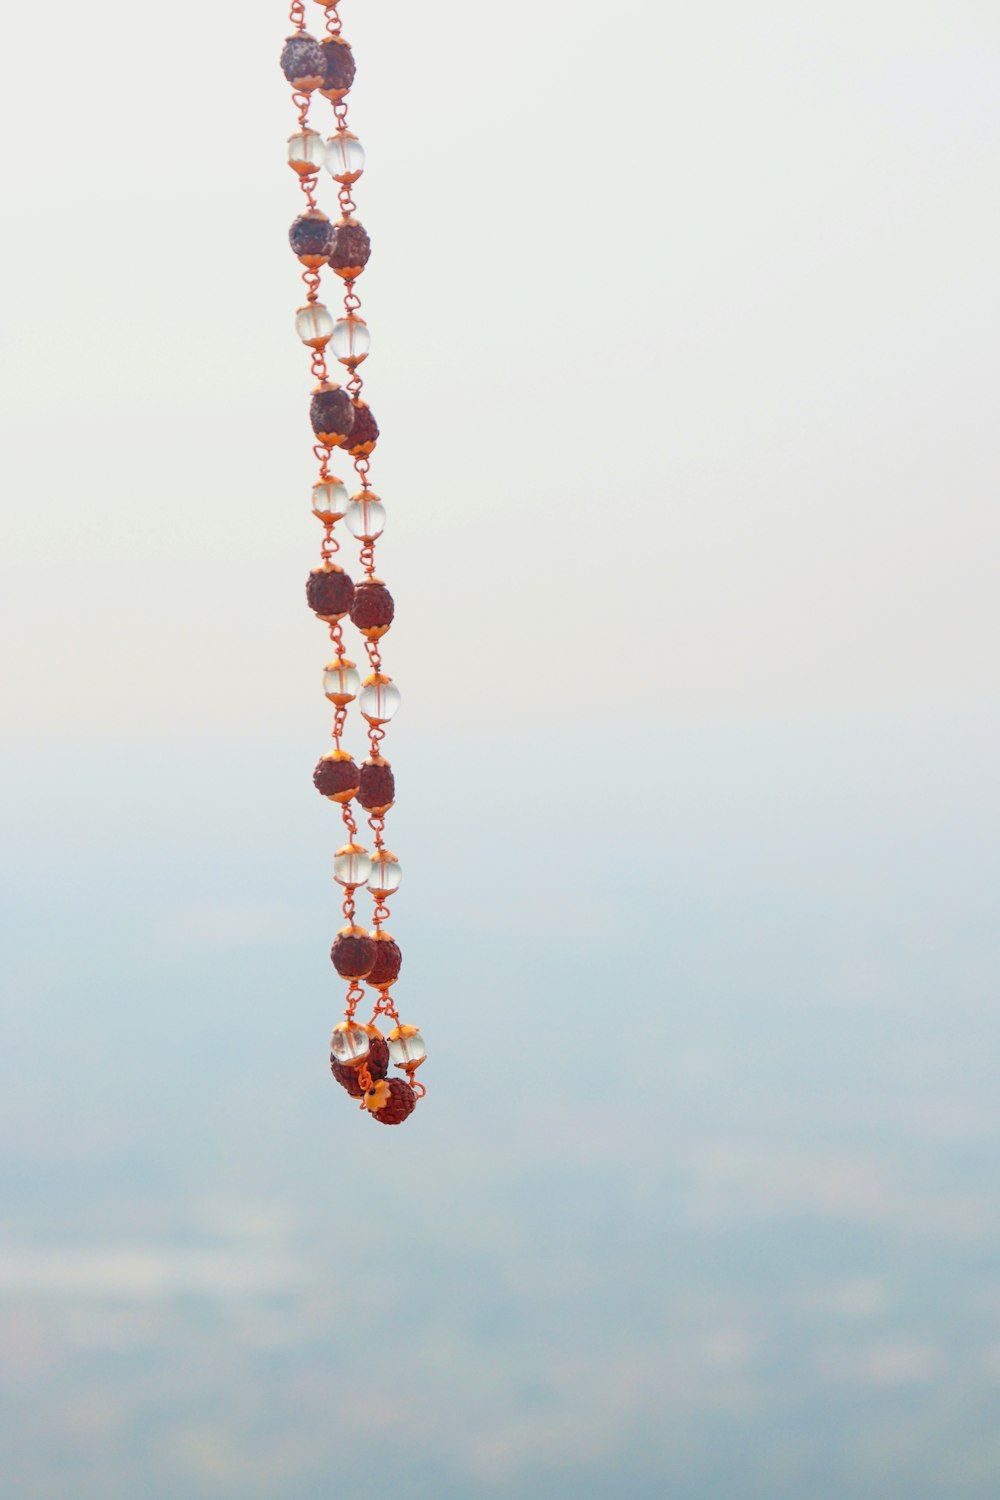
x: 351, y: 866
x: 365, y: 517
x: 344, y: 157
x: 314, y: 325
x: 351, y: 340
x: 386, y: 873
x: 306, y: 152
x: 349, y: 1043
x: 329, y: 499
x: 379, y: 698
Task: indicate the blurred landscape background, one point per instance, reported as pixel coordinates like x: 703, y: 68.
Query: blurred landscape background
x: 686, y: 368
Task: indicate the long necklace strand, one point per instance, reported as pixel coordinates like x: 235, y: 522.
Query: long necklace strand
x: 360, y: 1054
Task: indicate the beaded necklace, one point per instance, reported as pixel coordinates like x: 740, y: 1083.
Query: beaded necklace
x: 360, y: 1054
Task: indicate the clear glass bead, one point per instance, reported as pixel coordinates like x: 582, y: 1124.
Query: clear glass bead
x: 379, y: 698
x: 329, y: 499
x: 351, y: 340
x: 349, y: 1043
x: 406, y: 1046
x: 351, y: 866
x: 386, y: 873
x: 341, y: 681
x: 306, y: 152
x: 344, y: 157
x: 314, y: 325
x: 365, y: 517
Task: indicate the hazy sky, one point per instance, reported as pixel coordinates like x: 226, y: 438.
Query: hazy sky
x: 685, y: 355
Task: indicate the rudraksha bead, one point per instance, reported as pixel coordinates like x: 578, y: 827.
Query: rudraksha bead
x: 303, y: 62
x: 350, y: 248
x: 373, y: 608
x: 388, y: 961
x: 336, y: 776
x: 353, y: 953
x: 378, y: 785
x: 332, y: 414
x: 364, y: 432
x: 377, y: 1063
x: 311, y: 236
x: 390, y: 1101
x: 329, y: 592
x: 338, y: 67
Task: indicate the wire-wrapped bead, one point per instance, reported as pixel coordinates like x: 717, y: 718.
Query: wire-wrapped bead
x: 308, y: 151
x: 311, y: 236
x: 353, y: 953
x: 377, y: 792
x: 303, y: 62
x: 350, y: 249
x: 329, y: 592
x: 364, y: 431
x: 388, y: 961
x: 373, y: 608
x: 336, y: 776
x: 377, y: 1063
x: 332, y: 414
x: 390, y: 1101
x: 339, y: 67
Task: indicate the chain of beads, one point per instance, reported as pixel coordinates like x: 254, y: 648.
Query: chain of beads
x: 341, y: 418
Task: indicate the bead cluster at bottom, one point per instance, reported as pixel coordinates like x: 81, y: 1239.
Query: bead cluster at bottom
x: 359, y: 1061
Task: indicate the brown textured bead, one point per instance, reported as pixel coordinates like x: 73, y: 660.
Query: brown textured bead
x: 373, y: 608
x: 350, y: 248
x: 377, y: 1063
x: 303, y: 62
x: 364, y: 431
x: 338, y: 67
x: 378, y: 785
x: 311, y: 236
x: 336, y: 776
x: 391, y: 1101
x: 353, y: 953
x: 329, y: 592
x: 388, y: 962
x: 332, y: 414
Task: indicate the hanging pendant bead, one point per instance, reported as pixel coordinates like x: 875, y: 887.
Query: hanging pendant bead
x: 364, y: 517
x: 390, y: 1101
x: 351, y: 341
x: 339, y: 68
x: 311, y: 236
x: 329, y: 592
x: 350, y: 249
x: 353, y: 953
x: 376, y: 1061
x: 344, y: 157
x: 388, y: 962
x: 373, y: 608
x: 341, y: 681
x: 385, y: 875
x: 378, y: 786
x: 331, y: 413
x: 314, y: 325
x: 364, y: 431
x: 307, y: 152
x: 336, y: 776
x: 350, y: 1043
x: 380, y: 698
x: 351, y: 866
x: 406, y: 1047
x: 303, y: 62
x: 329, y: 499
